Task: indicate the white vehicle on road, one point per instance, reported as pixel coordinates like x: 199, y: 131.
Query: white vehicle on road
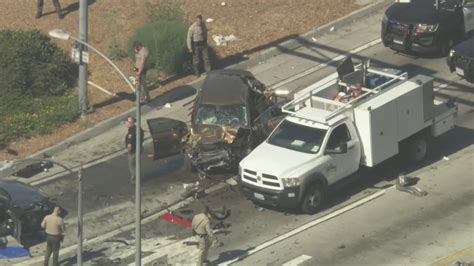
x: 332, y: 128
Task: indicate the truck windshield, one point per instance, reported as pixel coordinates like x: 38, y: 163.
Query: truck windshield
x: 297, y: 137
x: 233, y: 116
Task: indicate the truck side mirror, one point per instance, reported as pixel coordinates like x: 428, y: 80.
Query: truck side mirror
x: 339, y: 150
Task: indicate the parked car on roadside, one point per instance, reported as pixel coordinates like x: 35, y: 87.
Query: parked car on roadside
x: 232, y: 113
x: 461, y: 59
x: 427, y: 26
x: 22, y: 209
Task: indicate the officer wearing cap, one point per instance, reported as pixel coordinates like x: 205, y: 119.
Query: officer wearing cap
x: 130, y: 145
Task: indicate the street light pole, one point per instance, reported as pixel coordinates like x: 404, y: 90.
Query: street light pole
x: 79, y: 215
x: 83, y: 103
x: 138, y: 207
x: 66, y: 36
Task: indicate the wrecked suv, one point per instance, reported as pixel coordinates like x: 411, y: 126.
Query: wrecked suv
x: 22, y: 209
x: 232, y: 113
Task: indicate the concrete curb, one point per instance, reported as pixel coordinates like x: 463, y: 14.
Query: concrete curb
x: 291, y: 44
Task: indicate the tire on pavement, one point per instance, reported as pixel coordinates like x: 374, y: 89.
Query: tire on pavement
x: 313, y: 198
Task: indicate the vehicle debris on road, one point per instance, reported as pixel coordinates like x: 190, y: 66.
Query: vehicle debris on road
x: 222, y: 40
x: 406, y: 184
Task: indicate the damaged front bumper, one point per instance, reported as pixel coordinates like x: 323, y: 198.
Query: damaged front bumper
x: 213, y: 160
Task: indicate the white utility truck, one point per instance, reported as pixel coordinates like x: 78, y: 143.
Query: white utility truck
x: 333, y: 127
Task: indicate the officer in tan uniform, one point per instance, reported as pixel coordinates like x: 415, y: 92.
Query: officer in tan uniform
x: 197, y: 45
x: 54, y: 228
x: 202, y: 230
x: 141, y: 58
x: 39, y: 8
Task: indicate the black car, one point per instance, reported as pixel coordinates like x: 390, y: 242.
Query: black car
x: 232, y: 113
x: 461, y: 59
x: 427, y: 26
x: 22, y: 209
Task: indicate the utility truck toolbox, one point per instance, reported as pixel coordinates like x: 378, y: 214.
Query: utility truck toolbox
x: 357, y: 116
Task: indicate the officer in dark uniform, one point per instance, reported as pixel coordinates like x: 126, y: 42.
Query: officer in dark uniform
x: 39, y: 8
x: 130, y: 144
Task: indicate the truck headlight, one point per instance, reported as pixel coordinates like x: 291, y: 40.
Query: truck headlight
x: 424, y: 28
x: 291, y: 181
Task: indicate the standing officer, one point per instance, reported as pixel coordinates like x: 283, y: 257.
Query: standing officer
x: 197, y: 45
x: 141, y: 58
x: 202, y: 230
x: 39, y: 8
x: 54, y: 228
x: 130, y: 144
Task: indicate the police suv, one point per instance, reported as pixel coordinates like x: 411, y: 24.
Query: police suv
x: 427, y: 26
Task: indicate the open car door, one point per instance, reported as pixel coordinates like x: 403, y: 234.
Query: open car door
x: 168, y: 136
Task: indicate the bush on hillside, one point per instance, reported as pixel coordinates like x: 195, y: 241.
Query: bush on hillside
x: 165, y: 37
x: 36, y: 86
x: 32, y: 65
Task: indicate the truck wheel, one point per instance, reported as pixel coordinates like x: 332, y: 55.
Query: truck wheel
x: 417, y: 149
x: 313, y: 199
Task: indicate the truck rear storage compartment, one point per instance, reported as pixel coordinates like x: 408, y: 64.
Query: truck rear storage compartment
x: 444, y: 118
x: 391, y: 116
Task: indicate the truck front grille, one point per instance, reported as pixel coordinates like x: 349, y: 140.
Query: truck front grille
x: 261, y: 179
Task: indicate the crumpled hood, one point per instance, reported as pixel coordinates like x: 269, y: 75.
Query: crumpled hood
x: 274, y: 160
x: 211, y: 134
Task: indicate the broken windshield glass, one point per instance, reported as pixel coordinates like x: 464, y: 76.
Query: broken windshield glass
x: 233, y: 116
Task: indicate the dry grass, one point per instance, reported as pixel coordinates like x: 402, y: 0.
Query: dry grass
x: 254, y: 22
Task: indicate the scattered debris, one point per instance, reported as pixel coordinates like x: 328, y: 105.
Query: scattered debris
x: 168, y: 105
x: 405, y: 183
x: 446, y: 158
x: 261, y: 62
x: 314, y: 39
x: 191, y: 186
x: 231, y: 181
x: 260, y: 209
x: 332, y: 29
x: 342, y: 246
x: 223, y: 4
x: 222, y: 40
x: 209, y: 20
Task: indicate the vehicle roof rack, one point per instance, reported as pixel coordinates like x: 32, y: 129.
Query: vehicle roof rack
x: 331, y: 108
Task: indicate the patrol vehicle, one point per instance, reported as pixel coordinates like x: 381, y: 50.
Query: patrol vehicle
x: 427, y: 26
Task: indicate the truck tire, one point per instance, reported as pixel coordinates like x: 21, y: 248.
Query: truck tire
x: 313, y: 199
x: 417, y: 148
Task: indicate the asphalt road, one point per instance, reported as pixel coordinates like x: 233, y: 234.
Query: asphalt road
x: 395, y: 228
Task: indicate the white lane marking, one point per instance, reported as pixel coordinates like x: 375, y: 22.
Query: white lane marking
x: 123, y: 228
x: 325, y: 64
x: 298, y: 260
x: 306, y: 226
x: 441, y: 86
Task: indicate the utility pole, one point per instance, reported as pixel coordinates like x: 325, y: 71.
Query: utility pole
x: 83, y: 29
x: 79, y: 217
x: 138, y: 200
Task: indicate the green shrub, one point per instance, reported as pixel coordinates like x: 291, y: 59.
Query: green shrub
x: 32, y: 65
x: 165, y: 37
x: 35, y: 86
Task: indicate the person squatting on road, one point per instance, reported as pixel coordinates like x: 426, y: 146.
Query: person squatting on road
x: 39, y: 8
x: 130, y: 145
x: 197, y: 45
x: 141, y: 67
x: 203, y: 232
x: 54, y: 229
